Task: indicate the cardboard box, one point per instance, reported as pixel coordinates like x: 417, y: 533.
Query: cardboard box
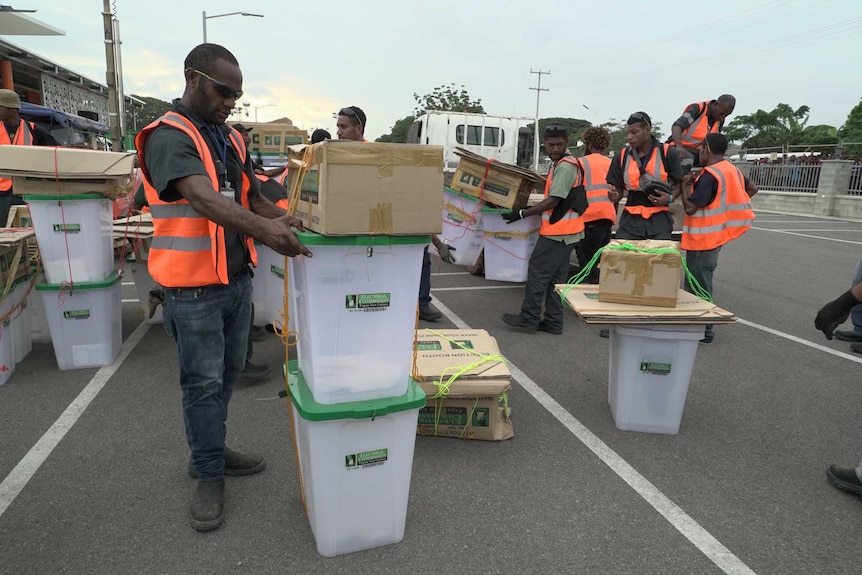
x: 634, y: 276
x: 473, y: 405
x: 8, y: 256
x: 368, y: 188
x: 506, y: 186
x: 42, y: 170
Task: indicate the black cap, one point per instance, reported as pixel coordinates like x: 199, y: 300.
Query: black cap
x: 242, y: 129
x: 319, y: 135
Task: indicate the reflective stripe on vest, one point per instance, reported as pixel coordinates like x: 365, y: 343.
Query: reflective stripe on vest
x: 188, y: 250
x: 726, y: 218
x: 572, y: 222
x: 695, y: 134
x: 23, y: 137
x: 600, y: 207
x: 632, y: 181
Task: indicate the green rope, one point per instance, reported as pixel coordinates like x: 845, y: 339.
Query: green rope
x: 696, y: 288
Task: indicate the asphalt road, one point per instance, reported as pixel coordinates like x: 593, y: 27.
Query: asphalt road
x: 93, y: 462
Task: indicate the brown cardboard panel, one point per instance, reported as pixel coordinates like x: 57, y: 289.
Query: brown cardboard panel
x: 636, y: 277
x: 479, y: 418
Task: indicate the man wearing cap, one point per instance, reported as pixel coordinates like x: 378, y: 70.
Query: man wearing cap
x: 351, y: 126
x: 16, y: 132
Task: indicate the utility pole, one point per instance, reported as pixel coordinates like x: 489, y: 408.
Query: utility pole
x: 539, y: 91
x: 113, y: 76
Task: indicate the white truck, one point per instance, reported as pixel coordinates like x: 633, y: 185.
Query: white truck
x: 503, y: 138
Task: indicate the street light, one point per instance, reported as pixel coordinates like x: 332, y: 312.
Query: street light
x: 205, y: 18
x: 256, y: 108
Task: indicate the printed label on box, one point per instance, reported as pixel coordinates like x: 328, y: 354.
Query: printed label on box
x: 461, y: 344
x: 367, y: 301
x: 67, y: 228
x: 656, y: 365
x: 76, y: 314
x: 428, y: 346
x: 366, y: 459
x: 277, y: 271
x: 310, y: 191
x: 454, y: 416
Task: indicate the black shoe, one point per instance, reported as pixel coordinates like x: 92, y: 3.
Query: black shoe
x: 514, y: 320
x: 845, y: 478
x: 707, y: 340
x: 543, y: 326
x: 605, y: 332
x: 429, y: 313
x: 253, y: 372
x: 207, y: 509
x: 237, y: 464
x: 847, y: 335
x: 257, y: 332
x: 856, y: 347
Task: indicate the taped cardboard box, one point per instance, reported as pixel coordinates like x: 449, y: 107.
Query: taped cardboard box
x: 631, y: 274
x: 14, y: 254
x: 475, y: 404
x: 505, y: 185
x: 368, y: 188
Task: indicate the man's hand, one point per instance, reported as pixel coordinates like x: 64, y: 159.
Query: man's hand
x: 512, y: 216
x: 614, y: 194
x: 686, y: 158
x: 835, y: 313
x: 446, y: 253
x: 279, y: 236
x: 659, y: 198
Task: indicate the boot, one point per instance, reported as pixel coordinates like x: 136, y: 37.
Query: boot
x: 207, y: 509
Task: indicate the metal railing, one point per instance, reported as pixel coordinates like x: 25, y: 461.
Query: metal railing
x: 786, y: 177
x: 855, y: 187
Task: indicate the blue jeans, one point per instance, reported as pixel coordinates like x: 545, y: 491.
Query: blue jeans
x: 210, y: 325
x: 856, y: 312
x: 425, y: 280
x: 701, y: 265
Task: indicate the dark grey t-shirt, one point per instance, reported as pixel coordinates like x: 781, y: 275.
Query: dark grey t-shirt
x: 171, y: 155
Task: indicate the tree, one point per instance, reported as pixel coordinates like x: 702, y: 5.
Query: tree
x: 617, y: 128
x: 781, y: 127
x: 851, y: 131
x: 448, y: 99
x: 398, y: 134
x: 137, y: 118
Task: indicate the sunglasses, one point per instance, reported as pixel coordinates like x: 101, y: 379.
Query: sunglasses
x: 224, y: 90
x: 638, y: 117
x: 350, y: 112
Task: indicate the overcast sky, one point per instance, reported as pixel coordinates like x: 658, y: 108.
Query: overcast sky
x: 306, y: 59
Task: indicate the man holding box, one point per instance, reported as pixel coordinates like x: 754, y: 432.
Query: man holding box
x: 207, y: 208
x: 549, y: 262
x: 718, y: 210
x: 16, y: 132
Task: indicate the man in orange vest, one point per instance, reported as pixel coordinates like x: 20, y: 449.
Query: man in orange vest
x: 602, y: 201
x: 351, y: 124
x: 16, y: 132
x: 698, y: 120
x: 718, y: 210
x: 549, y: 262
x: 207, y: 209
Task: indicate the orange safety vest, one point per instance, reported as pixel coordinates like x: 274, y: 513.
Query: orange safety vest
x: 600, y: 207
x: 693, y: 136
x: 23, y: 137
x: 188, y: 250
x: 726, y: 218
x: 637, y: 203
x: 282, y: 203
x: 572, y: 222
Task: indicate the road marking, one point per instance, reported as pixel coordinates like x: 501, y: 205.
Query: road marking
x: 812, y: 230
x: 478, y: 287
x: 852, y: 357
x: 806, y: 236
x: 18, y: 478
x: 130, y: 301
x: 451, y: 274
x: 679, y: 519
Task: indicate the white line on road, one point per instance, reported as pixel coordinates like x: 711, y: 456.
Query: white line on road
x: 451, y: 274
x: 679, y: 519
x: 812, y: 230
x: 817, y: 346
x: 29, y: 465
x: 806, y: 236
x: 468, y: 288
x: 130, y: 300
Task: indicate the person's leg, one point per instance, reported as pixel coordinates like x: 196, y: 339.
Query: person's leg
x: 553, y: 321
x: 631, y: 227
x: 702, y: 264
x: 659, y: 226
x: 856, y: 312
x: 542, y: 266
x: 595, y: 237
x: 427, y: 312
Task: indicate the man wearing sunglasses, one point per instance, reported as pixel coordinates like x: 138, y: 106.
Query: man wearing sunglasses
x: 207, y: 209
x: 351, y: 124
